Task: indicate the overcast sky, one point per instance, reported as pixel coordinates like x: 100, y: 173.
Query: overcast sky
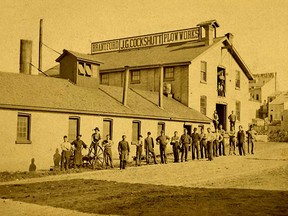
x: 259, y: 26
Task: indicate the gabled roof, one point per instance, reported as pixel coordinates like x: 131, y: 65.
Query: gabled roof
x: 79, y: 56
x: 238, y: 59
x: 39, y: 93
x: 179, y: 53
x: 184, y: 53
x: 281, y: 99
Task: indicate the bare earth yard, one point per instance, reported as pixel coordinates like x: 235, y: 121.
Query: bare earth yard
x: 231, y: 185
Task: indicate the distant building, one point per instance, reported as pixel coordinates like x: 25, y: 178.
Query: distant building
x: 277, y: 106
x: 264, y: 85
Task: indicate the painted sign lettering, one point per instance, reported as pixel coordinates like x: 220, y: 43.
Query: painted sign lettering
x: 145, y: 40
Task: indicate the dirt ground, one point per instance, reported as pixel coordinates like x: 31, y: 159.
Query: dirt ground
x: 231, y: 185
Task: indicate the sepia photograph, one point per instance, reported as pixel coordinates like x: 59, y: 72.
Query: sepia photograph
x: 143, y: 107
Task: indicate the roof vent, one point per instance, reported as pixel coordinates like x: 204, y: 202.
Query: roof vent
x: 210, y: 31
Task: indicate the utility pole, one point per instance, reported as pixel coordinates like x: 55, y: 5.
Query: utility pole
x: 40, y: 46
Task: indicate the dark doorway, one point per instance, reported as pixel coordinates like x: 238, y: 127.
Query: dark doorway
x: 189, y: 129
x: 222, y: 113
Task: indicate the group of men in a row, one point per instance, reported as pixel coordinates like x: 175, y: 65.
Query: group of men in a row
x: 202, y: 145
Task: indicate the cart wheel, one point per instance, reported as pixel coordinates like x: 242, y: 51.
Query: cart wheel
x: 97, y: 158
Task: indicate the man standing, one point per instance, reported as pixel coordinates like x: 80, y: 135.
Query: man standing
x: 175, y: 146
x: 232, y: 119
x: 215, y: 120
x: 218, y: 138
x: 78, y: 144
x: 149, y: 148
x: 210, y: 139
x: 65, y: 154
x: 139, y: 148
x: 203, y: 144
x: 222, y: 142
x: 185, y: 141
x: 162, y: 140
x: 96, y: 137
x: 123, y: 149
x: 107, y: 144
x: 251, y: 138
x: 195, y: 144
x: 241, y: 140
x: 232, y: 142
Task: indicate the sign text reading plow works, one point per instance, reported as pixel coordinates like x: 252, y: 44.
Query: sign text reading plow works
x: 145, y: 40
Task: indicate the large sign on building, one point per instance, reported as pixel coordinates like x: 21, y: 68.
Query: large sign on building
x: 146, y: 40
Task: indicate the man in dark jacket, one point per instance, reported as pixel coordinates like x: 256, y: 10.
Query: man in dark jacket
x: 241, y: 140
x: 149, y: 148
x: 123, y: 149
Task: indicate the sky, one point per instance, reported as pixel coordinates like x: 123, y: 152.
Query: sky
x: 259, y: 27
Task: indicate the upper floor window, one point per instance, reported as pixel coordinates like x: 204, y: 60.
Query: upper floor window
x: 237, y: 79
x: 221, y: 81
x: 104, y: 78
x: 23, y: 128
x: 84, y: 69
x: 203, y: 104
x: 169, y: 73
x: 238, y: 110
x: 135, y: 76
x: 203, y: 74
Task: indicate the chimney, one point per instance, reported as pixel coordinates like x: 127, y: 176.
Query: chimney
x: 210, y: 31
x: 125, y: 87
x: 230, y: 37
x: 25, y: 56
x: 161, y: 86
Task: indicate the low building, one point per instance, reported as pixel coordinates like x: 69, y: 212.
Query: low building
x: 37, y: 111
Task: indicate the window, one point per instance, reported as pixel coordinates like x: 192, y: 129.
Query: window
x: 238, y: 109
x: 221, y: 81
x: 104, y: 78
x: 136, y: 130
x: 203, y: 71
x: 23, y: 128
x: 84, y: 69
x: 169, y: 73
x: 108, y: 128
x: 74, y: 128
x: 203, y: 104
x: 237, y: 79
x: 161, y: 126
x: 135, y: 76
x: 257, y: 97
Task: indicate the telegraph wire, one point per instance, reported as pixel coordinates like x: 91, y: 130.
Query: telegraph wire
x: 39, y: 70
x: 51, y: 48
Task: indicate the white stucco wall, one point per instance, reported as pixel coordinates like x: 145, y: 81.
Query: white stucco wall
x: 48, y: 129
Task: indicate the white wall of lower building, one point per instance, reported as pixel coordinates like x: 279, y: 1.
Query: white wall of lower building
x: 48, y: 129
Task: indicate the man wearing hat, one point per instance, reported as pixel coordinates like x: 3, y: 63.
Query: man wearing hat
x: 78, y: 144
x: 96, y: 137
x: 123, y: 149
x: 149, y: 148
x: 162, y: 140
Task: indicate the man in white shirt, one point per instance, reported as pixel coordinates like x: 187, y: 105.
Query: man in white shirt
x: 66, y: 152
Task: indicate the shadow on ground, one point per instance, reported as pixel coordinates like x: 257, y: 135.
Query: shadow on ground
x: 105, y: 197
